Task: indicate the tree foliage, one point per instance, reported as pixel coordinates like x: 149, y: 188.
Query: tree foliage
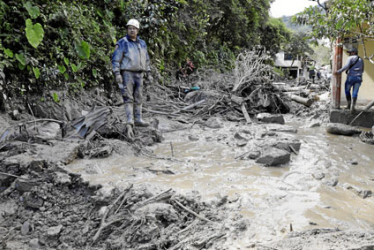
x: 49, y: 44
x: 340, y: 18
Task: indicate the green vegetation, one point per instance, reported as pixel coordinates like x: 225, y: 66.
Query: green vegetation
x: 341, y: 19
x: 65, y: 44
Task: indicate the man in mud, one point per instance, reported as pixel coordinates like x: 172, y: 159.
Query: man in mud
x: 354, y: 69
x: 130, y: 61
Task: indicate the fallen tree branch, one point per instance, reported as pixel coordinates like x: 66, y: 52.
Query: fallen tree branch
x: 189, y: 106
x: 160, y: 196
x: 103, y: 223
x: 192, y: 212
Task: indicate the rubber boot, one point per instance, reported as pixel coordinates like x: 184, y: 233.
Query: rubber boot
x: 348, y: 102
x: 353, y: 109
x: 129, y: 113
x: 138, y: 116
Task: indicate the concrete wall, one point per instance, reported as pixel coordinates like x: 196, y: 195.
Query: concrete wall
x: 366, y: 93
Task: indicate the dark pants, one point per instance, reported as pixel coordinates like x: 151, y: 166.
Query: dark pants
x: 132, y: 87
x: 352, y: 82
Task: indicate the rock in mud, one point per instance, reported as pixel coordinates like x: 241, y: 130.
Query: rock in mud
x: 193, y: 138
x: 342, y: 129
x: 25, y: 185
x: 54, y: 231
x: 289, y: 145
x: 26, y: 227
x: 32, y: 200
x: 274, y: 157
x: 270, y: 118
x: 318, y: 176
x: 213, y: 122
x: 61, y: 178
x: 34, y: 244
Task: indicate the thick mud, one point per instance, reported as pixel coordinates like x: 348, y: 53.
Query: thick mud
x: 327, y: 184
x: 197, y: 185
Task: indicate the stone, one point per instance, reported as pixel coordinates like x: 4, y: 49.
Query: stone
x: 314, y: 124
x: 102, y: 152
x: 270, y: 118
x: 34, y: 243
x: 274, y: 157
x: 25, y: 185
x: 318, y: 176
x: 239, y: 136
x: 54, y: 231
x: 193, y: 138
x: 342, y: 129
x: 253, y: 155
x: 213, y: 122
x: 32, y: 200
x: 26, y: 228
x: 332, y: 182
x: 61, y: 178
x: 37, y: 165
x: 287, y: 144
x: 365, y: 193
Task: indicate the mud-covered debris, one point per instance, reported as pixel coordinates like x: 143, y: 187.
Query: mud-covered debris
x: 288, y: 145
x: 342, y: 129
x: 367, y: 137
x: 213, y: 122
x: 274, y: 157
x: 270, y: 118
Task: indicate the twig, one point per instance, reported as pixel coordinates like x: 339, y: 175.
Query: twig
x: 189, y: 106
x: 188, y: 227
x: 172, y: 149
x: 104, y: 224
x: 153, y: 198
x: 11, y: 175
x: 245, y: 113
x: 192, y: 212
x: 293, y: 149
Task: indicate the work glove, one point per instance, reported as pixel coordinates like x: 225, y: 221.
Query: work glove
x: 119, y: 78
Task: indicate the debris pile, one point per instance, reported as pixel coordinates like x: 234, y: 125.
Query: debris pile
x: 43, y: 206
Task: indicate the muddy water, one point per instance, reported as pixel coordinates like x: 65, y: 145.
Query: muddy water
x: 320, y: 187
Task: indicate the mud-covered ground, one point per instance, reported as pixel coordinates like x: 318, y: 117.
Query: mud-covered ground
x: 65, y: 193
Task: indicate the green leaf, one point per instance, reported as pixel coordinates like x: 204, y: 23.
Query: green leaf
x: 83, y: 50
x: 8, y: 52
x: 66, y: 61
x: 94, y: 73
x: 55, y: 97
x: 21, y: 58
x: 62, y: 69
x: 66, y: 75
x: 74, y: 67
x: 33, y: 11
x: 36, y: 72
x: 34, y: 33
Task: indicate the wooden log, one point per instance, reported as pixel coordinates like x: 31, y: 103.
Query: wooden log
x: 306, y: 101
x: 245, y: 113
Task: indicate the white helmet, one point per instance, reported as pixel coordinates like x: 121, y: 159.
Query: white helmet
x: 133, y: 22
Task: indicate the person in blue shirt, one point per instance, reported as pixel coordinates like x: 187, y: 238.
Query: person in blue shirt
x: 130, y: 61
x: 354, y: 69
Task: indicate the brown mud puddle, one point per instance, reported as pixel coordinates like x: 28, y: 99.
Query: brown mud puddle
x: 327, y: 185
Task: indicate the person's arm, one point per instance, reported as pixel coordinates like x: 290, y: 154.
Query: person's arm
x: 346, y: 66
x: 117, y: 58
